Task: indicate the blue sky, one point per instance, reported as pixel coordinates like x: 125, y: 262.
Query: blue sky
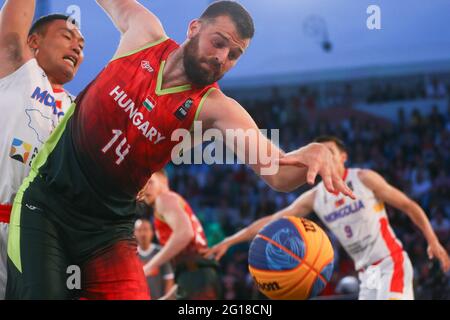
x: 412, y: 31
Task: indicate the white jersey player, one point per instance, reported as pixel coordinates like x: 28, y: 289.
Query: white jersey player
x: 363, y: 230
x: 362, y: 227
x: 35, y: 63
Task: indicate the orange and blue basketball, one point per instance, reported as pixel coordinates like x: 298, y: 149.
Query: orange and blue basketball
x: 291, y: 259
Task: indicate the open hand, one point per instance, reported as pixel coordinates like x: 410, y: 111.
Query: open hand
x: 318, y: 160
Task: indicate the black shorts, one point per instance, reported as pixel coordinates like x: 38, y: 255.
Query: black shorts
x: 198, y: 280
x: 44, y: 253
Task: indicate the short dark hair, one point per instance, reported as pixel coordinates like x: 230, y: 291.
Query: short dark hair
x: 40, y: 25
x: 238, y: 14
x: 326, y: 138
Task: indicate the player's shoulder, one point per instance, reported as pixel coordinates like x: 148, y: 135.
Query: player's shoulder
x: 365, y: 174
x: 214, y: 97
x: 371, y: 179
x: 215, y: 104
x: 129, y: 48
x: 218, y: 98
x: 29, y: 69
x: 13, y: 57
x: 168, y: 199
x: 169, y: 195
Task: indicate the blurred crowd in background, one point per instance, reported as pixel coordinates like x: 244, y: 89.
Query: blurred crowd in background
x: 412, y: 152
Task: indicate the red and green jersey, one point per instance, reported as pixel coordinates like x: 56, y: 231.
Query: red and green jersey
x: 124, y: 121
x: 111, y: 140
x: 163, y: 233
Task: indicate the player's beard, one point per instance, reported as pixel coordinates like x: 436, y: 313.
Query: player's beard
x: 195, y: 72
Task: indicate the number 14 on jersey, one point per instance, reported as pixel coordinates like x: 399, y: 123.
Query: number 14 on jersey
x: 122, y: 149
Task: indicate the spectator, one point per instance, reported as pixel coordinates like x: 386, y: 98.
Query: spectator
x: 161, y: 281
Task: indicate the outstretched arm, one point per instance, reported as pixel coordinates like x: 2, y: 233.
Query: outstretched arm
x: 394, y: 197
x: 300, y: 207
x: 16, y: 18
x: 295, y: 168
x: 137, y: 25
x: 182, y: 233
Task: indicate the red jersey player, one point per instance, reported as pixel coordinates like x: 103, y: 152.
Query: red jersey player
x: 181, y: 234
x: 84, y: 181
